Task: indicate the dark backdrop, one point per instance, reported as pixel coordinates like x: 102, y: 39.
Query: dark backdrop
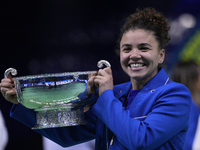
x: 66, y: 35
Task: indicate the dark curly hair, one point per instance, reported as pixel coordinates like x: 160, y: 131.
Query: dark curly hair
x: 147, y: 19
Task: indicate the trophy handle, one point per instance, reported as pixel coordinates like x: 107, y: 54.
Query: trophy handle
x: 103, y: 62
x: 13, y: 71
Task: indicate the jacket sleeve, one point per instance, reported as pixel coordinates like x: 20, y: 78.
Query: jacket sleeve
x: 64, y: 136
x: 168, y: 116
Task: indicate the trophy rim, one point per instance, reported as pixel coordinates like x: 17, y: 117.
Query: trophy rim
x: 47, y: 75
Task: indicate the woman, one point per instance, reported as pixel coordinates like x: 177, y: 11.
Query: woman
x: 149, y: 112
x: 188, y: 73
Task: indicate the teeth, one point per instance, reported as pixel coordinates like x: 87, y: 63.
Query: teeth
x: 136, y: 65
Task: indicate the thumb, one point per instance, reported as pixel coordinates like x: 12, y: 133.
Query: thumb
x: 10, y: 77
x: 108, y: 70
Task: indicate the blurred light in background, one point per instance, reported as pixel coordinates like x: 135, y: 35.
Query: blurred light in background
x: 187, y: 20
x: 180, y: 26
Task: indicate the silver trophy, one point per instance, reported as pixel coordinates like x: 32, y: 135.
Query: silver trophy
x: 57, y: 98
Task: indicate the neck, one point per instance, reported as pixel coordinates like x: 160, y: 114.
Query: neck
x: 137, y: 84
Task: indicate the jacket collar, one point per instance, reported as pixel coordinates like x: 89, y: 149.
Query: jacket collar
x: 161, y: 78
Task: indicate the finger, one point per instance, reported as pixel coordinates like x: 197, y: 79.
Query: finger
x: 91, y: 81
x: 10, y: 92
x: 108, y: 70
x: 101, y: 72
x: 4, y: 90
x: 93, y: 74
x: 105, y: 71
x: 10, y: 77
x: 96, y: 84
x: 97, y: 81
x: 7, y: 85
x: 11, y: 96
x: 6, y: 80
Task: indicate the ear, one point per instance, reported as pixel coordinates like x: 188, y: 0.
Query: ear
x: 161, y: 56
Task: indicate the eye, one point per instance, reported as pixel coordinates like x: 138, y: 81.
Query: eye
x: 144, y: 48
x: 126, y: 49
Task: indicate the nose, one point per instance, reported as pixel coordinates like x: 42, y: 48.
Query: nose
x: 135, y: 54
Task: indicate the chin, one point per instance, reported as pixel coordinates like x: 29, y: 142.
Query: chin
x: 136, y: 77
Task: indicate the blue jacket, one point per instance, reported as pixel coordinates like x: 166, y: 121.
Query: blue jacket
x: 158, y: 118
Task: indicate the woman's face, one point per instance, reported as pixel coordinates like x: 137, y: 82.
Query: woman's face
x: 140, y: 55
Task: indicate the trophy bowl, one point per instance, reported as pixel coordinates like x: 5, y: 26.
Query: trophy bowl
x: 57, y: 98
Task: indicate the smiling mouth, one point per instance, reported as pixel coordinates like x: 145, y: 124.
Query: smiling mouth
x: 136, y: 65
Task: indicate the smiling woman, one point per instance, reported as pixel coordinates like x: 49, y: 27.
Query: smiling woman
x: 149, y: 112
x: 140, y: 56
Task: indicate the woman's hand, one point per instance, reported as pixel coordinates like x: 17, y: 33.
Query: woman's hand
x: 91, y: 87
x: 8, y: 90
x: 104, y: 80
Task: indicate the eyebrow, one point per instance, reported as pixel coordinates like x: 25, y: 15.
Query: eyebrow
x: 145, y: 44
x: 126, y: 45
x: 141, y: 44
